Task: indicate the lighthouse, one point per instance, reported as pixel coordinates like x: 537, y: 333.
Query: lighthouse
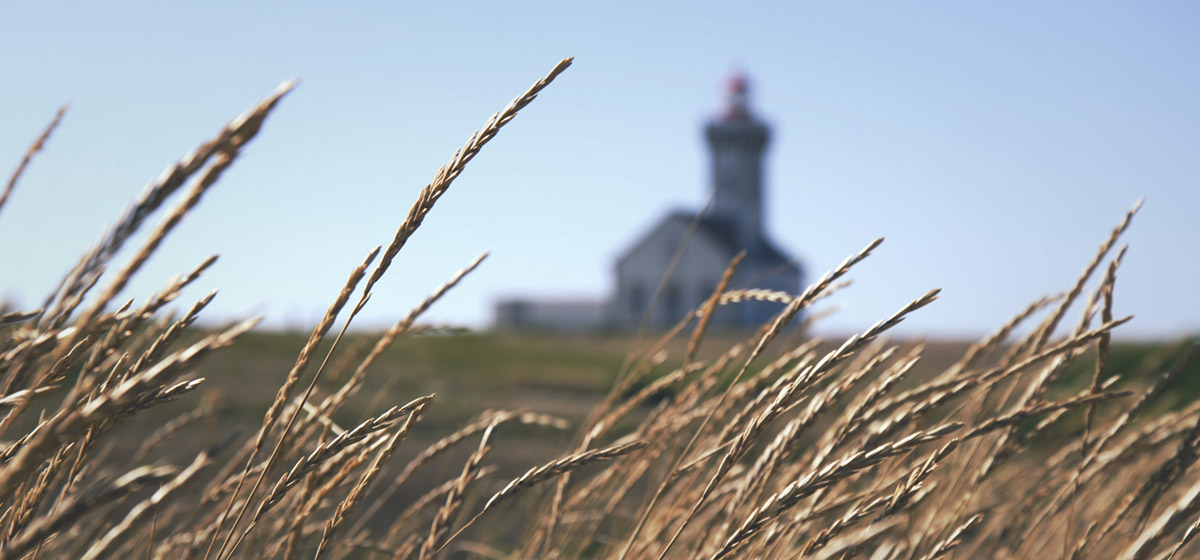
x: 737, y: 141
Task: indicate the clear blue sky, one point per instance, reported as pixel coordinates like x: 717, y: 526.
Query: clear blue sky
x: 993, y: 144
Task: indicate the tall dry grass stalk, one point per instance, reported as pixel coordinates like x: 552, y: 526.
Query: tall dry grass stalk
x: 775, y: 447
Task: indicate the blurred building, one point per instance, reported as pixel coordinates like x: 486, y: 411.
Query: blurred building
x: 581, y: 315
x: 695, y: 247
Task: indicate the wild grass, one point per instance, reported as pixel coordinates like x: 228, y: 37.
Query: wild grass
x: 778, y: 446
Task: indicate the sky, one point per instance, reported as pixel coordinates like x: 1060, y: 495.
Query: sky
x: 993, y: 145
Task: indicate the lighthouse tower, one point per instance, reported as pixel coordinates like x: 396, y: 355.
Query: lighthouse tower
x: 737, y: 141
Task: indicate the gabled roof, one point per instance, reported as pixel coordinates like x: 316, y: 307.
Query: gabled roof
x: 717, y: 231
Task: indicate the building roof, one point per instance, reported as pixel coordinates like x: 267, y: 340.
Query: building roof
x: 737, y: 100
x: 717, y: 231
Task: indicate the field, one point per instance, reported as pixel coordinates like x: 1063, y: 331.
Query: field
x: 565, y: 376
x: 131, y: 433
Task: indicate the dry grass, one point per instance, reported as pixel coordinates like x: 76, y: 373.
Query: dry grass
x: 774, y: 447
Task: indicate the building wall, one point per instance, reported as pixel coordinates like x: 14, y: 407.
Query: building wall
x: 764, y: 276
x: 641, y: 271
x: 550, y: 315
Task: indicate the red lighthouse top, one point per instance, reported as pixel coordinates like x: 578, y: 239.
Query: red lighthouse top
x: 737, y: 100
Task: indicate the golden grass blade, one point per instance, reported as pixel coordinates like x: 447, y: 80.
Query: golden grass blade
x: 281, y: 397
x: 1188, y: 535
x: 706, y: 312
x: 1047, y: 328
x: 442, y: 445
x: 228, y: 141
x: 790, y: 495
x: 545, y: 472
x: 18, y: 316
x: 69, y: 513
x: 367, y: 479
x: 69, y: 425
x: 332, y: 447
x: 33, y: 149
x: 449, y: 172
x: 948, y: 544
x: 454, y: 498
x: 106, y: 545
x: 404, y: 325
x: 778, y: 323
x: 417, y: 506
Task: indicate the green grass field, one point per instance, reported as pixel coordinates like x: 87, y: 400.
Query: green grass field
x: 561, y: 375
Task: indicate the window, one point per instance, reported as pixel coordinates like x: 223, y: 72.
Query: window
x: 637, y: 299
x: 672, y: 302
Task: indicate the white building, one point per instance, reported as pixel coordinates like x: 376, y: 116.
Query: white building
x: 737, y: 140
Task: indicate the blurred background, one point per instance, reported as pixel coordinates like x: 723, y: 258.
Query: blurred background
x: 994, y: 146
